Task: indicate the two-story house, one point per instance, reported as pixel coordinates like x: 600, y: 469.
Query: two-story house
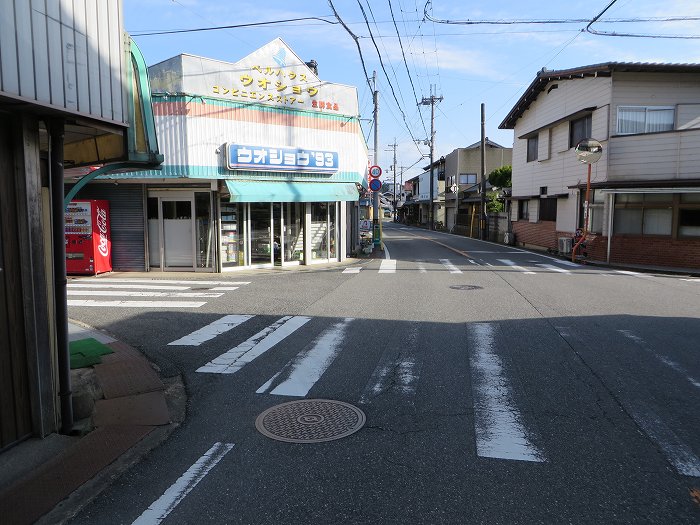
x: 644, y: 204
x: 463, y: 179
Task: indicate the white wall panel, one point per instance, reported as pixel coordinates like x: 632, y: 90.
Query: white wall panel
x: 81, y: 55
x: 93, y: 59
x: 68, y: 50
x: 23, y: 21
x: 41, y: 54
x: 9, y: 74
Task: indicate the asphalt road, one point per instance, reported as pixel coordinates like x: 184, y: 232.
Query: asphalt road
x: 498, y: 385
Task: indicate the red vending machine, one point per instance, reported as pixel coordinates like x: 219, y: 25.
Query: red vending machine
x: 88, y: 245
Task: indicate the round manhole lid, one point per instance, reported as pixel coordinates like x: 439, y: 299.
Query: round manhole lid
x: 310, y: 421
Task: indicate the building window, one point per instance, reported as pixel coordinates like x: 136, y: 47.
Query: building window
x: 523, y: 210
x: 644, y: 119
x: 467, y: 178
x: 580, y: 129
x: 644, y: 214
x: 548, y: 209
x: 532, y: 145
x: 689, y: 215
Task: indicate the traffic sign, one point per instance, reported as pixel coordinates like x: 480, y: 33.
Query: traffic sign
x: 375, y: 185
x: 375, y: 172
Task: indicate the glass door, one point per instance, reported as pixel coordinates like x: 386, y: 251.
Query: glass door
x: 293, y: 228
x: 178, y: 234
x: 261, y: 241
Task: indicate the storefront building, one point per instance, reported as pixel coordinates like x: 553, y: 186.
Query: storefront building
x: 263, y: 167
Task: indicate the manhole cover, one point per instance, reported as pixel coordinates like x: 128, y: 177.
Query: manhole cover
x: 310, y: 421
x: 466, y: 287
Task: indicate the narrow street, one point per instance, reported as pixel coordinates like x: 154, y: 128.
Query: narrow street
x: 498, y: 386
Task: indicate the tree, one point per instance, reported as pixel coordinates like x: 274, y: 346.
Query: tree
x: 501, y: 177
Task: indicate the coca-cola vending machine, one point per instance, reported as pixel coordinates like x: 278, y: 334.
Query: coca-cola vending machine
x: 88, y: 244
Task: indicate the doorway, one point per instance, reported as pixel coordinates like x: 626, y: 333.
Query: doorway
x: 180, y: 232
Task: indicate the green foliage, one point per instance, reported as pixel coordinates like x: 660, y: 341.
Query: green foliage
x: 501, y: 177
x: 493, y: 205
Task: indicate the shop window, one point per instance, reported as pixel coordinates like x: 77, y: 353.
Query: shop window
x: 548, y: 209
x: 319, y: 230
x: 644, y: 119
x: 580, y: 129
x: 689, y: 222
x: 532, y: 145
x: 523, y: 210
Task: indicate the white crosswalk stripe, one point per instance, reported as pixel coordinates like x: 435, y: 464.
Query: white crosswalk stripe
x: 353, y: 269
x: 210, y: 331
x: 302, y: 372
x: 236, y: 358
x: 387, y: 266
x: 554, y: 268
x: 510, y: 263
x: 449, y: 266
x: 105, y: 292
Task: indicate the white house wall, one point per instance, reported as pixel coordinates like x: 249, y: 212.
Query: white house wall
x: 560, y: 169
x: 67, y: 55
x: 668, y: 155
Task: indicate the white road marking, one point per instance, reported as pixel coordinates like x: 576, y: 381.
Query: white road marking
x: 510, y: 263
x: 554, y: 268
x: 224, y: 288
x: 665, y: 360
x: 127, y: 286
x: 233, y: 360
x: 421, y: 266
x: 692, y: 280
x: 164, y: 505
x: 160, y: 281
x: 136, y: 304
x: 677, y: 453
x: 472, y: 261
x: 386, y: 252
x: 388, y: 266
x: 451, y: 267
x: 627, y: 272
x: 353, y: 269
x: 398, y: 373
x: 497, y: 422
x: 124, y: 293
x: 218, y: 327
x: 302, y: 372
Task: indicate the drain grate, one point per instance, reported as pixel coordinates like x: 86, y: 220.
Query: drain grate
x: 310, y: 421
x: 466, y: 287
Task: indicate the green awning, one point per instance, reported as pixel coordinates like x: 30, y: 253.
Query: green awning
x: 280, y: 191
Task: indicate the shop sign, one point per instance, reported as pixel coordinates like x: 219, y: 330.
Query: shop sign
x: 264, y: 158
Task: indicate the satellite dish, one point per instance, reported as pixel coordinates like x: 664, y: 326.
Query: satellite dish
x: 589, y: 151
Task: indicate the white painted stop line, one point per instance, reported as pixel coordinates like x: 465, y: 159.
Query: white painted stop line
x: 387, y: 266
x: 160, y: 508
x: 136, y: 304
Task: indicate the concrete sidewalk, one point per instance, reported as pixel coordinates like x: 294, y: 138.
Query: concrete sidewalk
x: 123, y: 410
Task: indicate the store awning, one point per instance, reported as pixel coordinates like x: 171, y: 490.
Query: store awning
x: 281, y: 191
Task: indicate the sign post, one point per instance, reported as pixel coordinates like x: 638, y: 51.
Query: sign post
x: 588, y: 151
x: 375, y: 185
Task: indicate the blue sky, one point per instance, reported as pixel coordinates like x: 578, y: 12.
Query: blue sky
x: 465, y: 64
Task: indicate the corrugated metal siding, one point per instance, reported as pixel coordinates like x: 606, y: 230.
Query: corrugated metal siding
x: 67, y: 54
x: 127, y: 222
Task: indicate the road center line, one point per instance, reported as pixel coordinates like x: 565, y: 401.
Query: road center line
x: 164, y: 505
x: 497, y: 422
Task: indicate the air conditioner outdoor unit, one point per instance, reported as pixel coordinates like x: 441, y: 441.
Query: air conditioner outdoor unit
x: 565, y: 245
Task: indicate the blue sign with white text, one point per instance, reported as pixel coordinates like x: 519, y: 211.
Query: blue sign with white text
x: 264, y: 158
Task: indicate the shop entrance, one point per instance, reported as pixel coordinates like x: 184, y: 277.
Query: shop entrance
x: 180, y: 233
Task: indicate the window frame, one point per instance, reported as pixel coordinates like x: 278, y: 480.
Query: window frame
x: 532, y: 153
x: 587, y: 132
x: 523, y: 209
x: 646, y: 109
x: 675, y: 204
x: 548, y: 209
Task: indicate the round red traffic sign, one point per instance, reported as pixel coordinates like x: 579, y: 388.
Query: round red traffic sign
x: 375, y: 172
x: 375, y: 185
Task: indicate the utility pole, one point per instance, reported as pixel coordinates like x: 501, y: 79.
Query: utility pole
x: 394, y: 145
x: 482, y: 222
x: 375, y: 196
x: 431, y: 102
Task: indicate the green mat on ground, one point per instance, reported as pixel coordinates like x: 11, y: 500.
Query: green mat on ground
x: 87, y: 352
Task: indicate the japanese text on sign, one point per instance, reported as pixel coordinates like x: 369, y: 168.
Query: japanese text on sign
x: 243, y: 157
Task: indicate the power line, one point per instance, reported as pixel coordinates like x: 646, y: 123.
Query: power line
x: 235, y: 26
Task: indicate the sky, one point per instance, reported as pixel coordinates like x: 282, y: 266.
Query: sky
x: 421, y: 49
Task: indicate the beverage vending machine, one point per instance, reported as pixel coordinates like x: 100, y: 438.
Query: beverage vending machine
x: 88, y: 244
